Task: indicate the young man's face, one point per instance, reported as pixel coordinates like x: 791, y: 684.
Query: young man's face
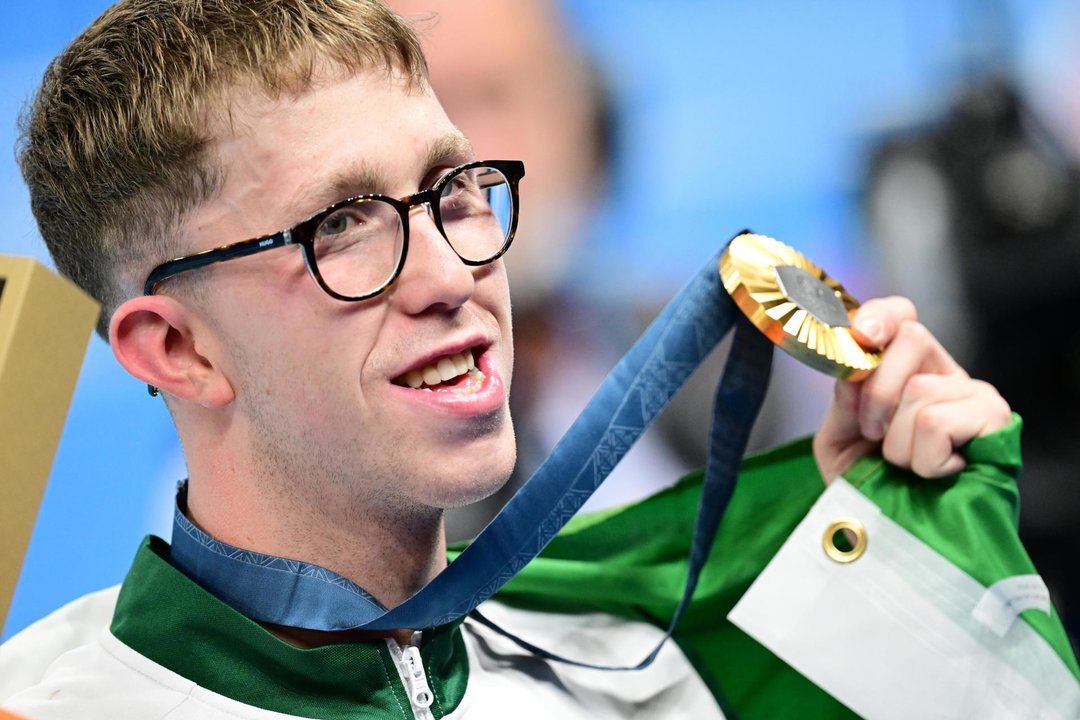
x: 319, y: 382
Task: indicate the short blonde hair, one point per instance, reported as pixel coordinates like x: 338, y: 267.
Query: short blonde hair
x: 114, y: 146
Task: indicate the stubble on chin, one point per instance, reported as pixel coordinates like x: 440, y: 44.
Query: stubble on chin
x: 301, y: 471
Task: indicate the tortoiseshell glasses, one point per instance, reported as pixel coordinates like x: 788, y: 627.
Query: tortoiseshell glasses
x: 356, y: 248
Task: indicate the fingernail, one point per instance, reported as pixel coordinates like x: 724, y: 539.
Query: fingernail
x: 869, y: 327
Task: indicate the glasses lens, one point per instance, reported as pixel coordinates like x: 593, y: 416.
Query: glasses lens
x: 358, y: 247
x: 477, y: 208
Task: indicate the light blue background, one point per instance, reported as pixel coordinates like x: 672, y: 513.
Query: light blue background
x: 732, y: 115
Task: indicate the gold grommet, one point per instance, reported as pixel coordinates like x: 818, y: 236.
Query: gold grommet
x: 854, y: 540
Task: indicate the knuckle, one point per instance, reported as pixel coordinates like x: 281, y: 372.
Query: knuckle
x: 896, y: 305
x: 998, y: 409
x: 921, y: 385
x: 989, y: 391
x: 932, y: 421
x: 1004, y: 412
x: 913, y: 331
x: 903, y: 307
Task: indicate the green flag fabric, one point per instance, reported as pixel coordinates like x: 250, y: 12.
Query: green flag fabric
x: 631, y: 561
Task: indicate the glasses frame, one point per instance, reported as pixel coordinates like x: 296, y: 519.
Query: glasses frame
x: 303, y: 233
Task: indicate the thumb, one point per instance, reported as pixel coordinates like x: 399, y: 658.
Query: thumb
x: 875, y: 323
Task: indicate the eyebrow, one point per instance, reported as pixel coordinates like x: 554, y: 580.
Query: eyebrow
x: 361, y: 177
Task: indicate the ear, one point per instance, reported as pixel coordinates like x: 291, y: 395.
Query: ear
x: 154, y: 338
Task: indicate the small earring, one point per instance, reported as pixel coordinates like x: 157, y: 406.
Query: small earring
x: 152, y: 390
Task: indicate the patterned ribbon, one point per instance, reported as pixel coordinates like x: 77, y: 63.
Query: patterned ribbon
x: 297, y: 594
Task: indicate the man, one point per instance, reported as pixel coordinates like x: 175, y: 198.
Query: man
x: 532, y: 94
x: 334, y: 398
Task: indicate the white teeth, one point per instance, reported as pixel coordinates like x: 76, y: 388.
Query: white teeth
x: 431, y: 375
x: 445, y: 368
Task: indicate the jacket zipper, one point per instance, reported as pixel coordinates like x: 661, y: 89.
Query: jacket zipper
x: 411, y: 669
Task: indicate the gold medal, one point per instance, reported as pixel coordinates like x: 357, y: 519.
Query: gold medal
x: 796, y: 304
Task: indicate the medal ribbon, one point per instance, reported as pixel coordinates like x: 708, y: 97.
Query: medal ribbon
x: 298, y: 594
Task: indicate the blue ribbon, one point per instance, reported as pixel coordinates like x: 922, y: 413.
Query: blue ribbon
x: 298, y: 594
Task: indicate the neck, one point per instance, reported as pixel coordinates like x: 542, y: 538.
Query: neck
x: 356, y: 527
x: 390, y: 551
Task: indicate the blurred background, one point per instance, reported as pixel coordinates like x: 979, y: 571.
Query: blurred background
x: 927, y: 148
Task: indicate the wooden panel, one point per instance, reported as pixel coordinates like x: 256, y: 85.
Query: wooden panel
x: 45, y: 325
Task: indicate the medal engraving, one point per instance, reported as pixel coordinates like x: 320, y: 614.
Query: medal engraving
x: 812, y: 295
x: 796, y: 304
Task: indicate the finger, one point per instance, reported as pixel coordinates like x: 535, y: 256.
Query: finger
x: 920, y: 393
x: 839, y: 442
x: 877, y: 321
x: 982, y: 412
x: 938, y: 428
x: 913, y: 350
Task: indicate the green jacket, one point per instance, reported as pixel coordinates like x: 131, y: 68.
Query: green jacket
x: 597, y: 592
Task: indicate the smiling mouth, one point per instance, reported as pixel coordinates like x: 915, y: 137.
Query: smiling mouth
x: 456, y: 372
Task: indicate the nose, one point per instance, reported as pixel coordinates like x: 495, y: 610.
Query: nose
x: 434, y: 277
